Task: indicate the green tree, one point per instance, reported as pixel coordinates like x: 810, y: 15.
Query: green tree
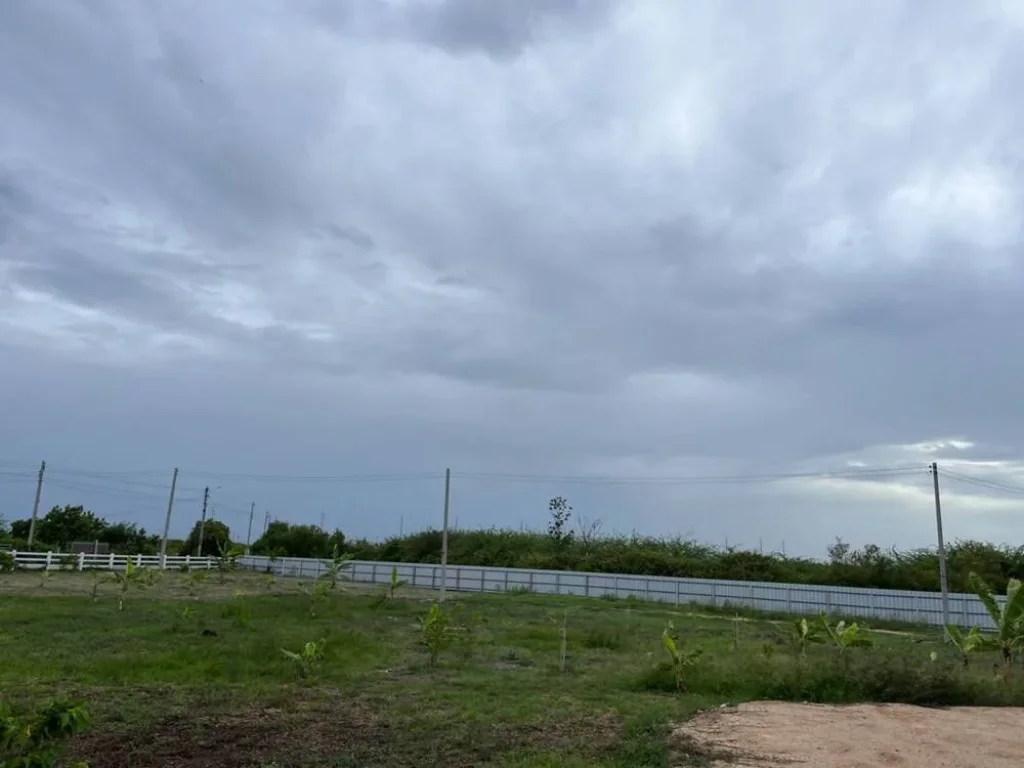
x: 285, y: 540
x: 215, y: 535
x: 63, y: 525
x: 129, y: 539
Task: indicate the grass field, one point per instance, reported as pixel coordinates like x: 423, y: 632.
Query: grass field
x: 210, y: 686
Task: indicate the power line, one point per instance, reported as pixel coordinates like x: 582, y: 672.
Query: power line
x: 851, y: 473
x: 992, y: 485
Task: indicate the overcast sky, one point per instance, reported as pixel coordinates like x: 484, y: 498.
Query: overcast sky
x: 282, y: 239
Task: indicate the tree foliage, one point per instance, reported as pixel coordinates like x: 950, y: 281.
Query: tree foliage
x: 285, y: 540
x: 215, y: 536
x: 63, y: 525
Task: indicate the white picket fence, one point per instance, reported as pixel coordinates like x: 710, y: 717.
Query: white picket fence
x: 796, y: 599
x: 56, y: 561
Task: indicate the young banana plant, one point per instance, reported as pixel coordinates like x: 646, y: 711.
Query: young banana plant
x: 335, y: 571
x: 1008, y: 618
x: 965, y: 644
x: 845, y: 635
x: 805, y: 634
x: 679, y: 658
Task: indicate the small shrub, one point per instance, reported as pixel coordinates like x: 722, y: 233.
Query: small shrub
x: 680, y: 659
x: 387, y: 594
x: 434, y: 631
x: 7, y: 563
x: 35, y: 740
x: 307, y: 659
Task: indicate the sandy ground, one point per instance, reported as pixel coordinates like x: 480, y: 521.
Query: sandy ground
x: 762, y: 734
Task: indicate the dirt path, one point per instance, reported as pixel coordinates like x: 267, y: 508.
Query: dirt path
x: 763, y: 734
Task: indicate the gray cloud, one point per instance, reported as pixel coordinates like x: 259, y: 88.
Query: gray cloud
x: 628, y: 238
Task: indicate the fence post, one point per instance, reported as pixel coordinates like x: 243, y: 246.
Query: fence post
x: 558, y: 583
x: 530, y: 582
x: 458, y: 579
x: 647, y: 590
x: 49, y: 561
x: 373, y: 574
x: 112, y: 563
x: 433, y: 577
x: 188, y: 562
x: 714, y: 594
x: 506, y: 579
x: 483, y: 582
x: 678, y: 584
x: 81, y: 561
x: 138, y: 561
x: 586, y: 585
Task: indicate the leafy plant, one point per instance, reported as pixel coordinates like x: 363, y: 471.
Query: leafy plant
x: 35, y: 740
x: 965, y: 644
x: 339, y: 562
x: 1008, y: 618
x: 132, y: 576
x: 7, y: 563
x: 805, y: 634
x: 227, y: 558
x: 44, y: 577
x: 316, y: 594
x: 387, y: 593
x: 680, y: 659
x: 269, y: 580
x: 308, y: 658
x: 434, y: 631
x: 845, y: 635
x: 558, y: 527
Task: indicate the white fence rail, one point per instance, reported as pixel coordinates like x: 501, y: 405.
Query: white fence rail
x: 56, y: 561
x: 807, y: 599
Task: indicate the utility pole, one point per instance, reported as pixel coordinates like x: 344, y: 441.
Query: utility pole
x: 266, y: 522
x: 202, y: 522
x: 943, y: 574
x: 35, y: 506
x: 444, y: 534
x: 248, y: 536
x: 323, y: 520
x: 167, y: 520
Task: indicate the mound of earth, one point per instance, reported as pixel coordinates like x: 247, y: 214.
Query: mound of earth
x: 762, y: 734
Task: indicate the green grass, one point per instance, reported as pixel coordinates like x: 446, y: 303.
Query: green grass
x: 163, y: 691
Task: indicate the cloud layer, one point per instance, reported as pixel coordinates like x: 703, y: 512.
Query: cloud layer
x: 549, y: 237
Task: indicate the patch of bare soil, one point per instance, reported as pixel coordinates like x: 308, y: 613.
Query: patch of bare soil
x: 762, y: 734
x: 328, y: 731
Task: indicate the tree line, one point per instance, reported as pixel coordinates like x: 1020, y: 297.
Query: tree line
x: 562, y: 547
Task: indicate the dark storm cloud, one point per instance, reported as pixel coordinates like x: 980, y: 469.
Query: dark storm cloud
x: 500, y: 29
x: 642, y: 237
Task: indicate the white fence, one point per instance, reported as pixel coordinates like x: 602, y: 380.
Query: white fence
x: 56, y: 561
x: 885, y: 604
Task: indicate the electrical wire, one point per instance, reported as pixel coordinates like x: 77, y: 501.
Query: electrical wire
x: 992, y: 485
x: 850, y: 473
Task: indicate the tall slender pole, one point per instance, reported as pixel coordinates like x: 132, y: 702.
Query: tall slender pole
x: 202, y: 522
x: 444, y: 533
x: 266, y: 522
x: 35, y: 506
x: 167, y: 520
x: 943, y: 573
x: 248, y: 536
